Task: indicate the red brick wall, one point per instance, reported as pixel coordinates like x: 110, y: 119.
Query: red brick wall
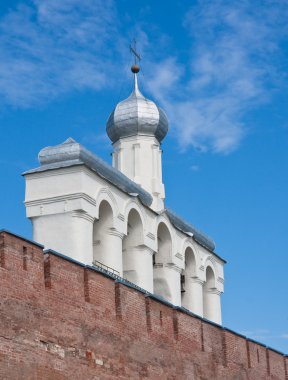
x: 61, y: 320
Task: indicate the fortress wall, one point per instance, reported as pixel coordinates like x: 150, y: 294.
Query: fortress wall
x: 275, y: 363
x: 189, y: 333
x: 61, y: 320
x: 235, y: 349
x: 213, y: 343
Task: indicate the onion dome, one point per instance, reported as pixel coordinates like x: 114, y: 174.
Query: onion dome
x: 137, y: 115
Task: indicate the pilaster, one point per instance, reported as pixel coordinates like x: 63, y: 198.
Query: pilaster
x: 108, y: 250
x: 212, y: 305
x: 141, y: 161
x: 138, y: 266
x: 167, y: 282
x: 192, y: 298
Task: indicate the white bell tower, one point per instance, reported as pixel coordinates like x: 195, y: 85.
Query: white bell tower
x: 136, y: 128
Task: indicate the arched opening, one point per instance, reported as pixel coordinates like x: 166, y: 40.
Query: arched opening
x: 107, y: 243
x: 188, y: 280
x: 162, y: 280
x: 211, y: 297
x: 190, y: 263
x: 135, y: 258
x: 163, y: 254
x: 210, y: 279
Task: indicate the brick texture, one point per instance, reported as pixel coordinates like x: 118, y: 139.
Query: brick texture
x: 61, y: 320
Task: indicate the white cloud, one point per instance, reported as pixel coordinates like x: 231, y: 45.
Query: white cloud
x: 194, y: 168
x: 100, y: 141
x: 49, y: 48
x: 233, y: 68
x: 259, y: 334
x: 256, y: 333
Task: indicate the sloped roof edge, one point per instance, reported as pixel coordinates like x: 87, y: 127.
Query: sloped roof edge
x: 186, y: 227
x: 72, y: 153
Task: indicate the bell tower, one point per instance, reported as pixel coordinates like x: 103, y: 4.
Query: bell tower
x: 136, y: 128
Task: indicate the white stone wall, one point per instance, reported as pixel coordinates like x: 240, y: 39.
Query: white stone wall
x: 79, y: 214
x: 140, y: 159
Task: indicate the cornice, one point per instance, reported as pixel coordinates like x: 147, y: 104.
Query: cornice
x: 150, y: 236
x: 142, y: 248
x: 121, y: 217
x: 214, y: 291
x: 174, y: 267
x: 179, y: 255
x: 60, y: 198
x: 78, y: 167
x: 169, y: 266
x: 114, y: 232
x: 83, y: 215
x: 196, y: 280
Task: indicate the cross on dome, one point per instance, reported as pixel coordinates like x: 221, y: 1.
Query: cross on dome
x: 136, y: 115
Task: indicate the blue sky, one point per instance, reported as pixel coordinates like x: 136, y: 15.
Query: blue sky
x: 219, y: 69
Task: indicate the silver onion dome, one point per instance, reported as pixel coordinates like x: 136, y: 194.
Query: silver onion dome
x: 137, y: 115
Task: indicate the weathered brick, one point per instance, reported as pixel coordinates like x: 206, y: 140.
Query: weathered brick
x: 60, y: 320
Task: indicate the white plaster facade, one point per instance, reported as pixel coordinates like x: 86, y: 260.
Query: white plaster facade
x: 78, y: 212
x: 140, y: 159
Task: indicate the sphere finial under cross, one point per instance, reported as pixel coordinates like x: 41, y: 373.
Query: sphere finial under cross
x: 135, y: 69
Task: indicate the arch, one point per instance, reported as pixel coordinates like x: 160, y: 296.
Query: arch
x: 135, y: 233
x: 210, y: 282
x: 188, y: 243
x: 162, y: 219
x: 105, y: 215
x: 210, y: 261
x: 190, y: 267
x: 191, y: 286
x: 105, y: 194
x: 130, y: 205
x: 107, y: 243
x: 162, y: 257
x: 211, y: 296
x: 164, y: 244
x: 134, y: 259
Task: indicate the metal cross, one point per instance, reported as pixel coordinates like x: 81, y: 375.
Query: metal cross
x: 134, y: 51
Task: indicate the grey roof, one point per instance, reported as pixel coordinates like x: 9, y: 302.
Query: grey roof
x: 137, y: 115
x: 187, y: 228
x: 71, y: 153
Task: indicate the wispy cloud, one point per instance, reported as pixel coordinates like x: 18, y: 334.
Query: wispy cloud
x: 233, y: 67
x: 257, y: 334
x: 100, y: 141
x: 264, y: 334
x: 232, y: 63
x: 50, y: 48
x: 194, y: 168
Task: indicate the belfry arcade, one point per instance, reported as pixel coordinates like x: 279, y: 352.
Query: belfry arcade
x: 114, y: 217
